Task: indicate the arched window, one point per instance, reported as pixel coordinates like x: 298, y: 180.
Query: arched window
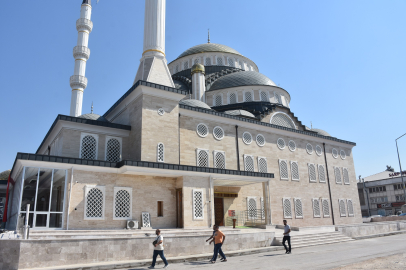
x: 341, y: 205
x: 287, y: 208
x: 233, y: 98
x: 264, y: 96
x: 160, y: 152
x: 219, y: 61
x: 295, y: 170
x: 298, y: 208
x: 283, y: 169
x: 278, y: 99
x: 208, y: 61
x: 202, y: 158
x: 94, y: 202
x: 231, y: 62
x: 122, y: 203
x: 252, y: 207
x: 113, y: 150
x: 283, y: 120
x: 312, y: 173
x: 219, y: 160
x: 186, y: 65
x: 218, y: 100
x: 247, y: 96
x: 316, y: 208
x: 88, y: 147
x: 241, y: 65
x: 197, y: 61
x: 262, y: 165
x: 249, y: 163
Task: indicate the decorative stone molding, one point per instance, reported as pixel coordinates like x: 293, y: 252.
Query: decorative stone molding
x: 78, y: 82
x: 83, y: 24
x: 81, y: 52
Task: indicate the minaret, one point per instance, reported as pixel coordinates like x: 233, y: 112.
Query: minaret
x: 81, y: 52
x: 198, y: 82
x: 153, y: 67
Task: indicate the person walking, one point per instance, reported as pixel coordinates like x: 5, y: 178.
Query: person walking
x: 218, y: 239
x: 286, y: 237
x: 211, y: 237
x: 158, y: 250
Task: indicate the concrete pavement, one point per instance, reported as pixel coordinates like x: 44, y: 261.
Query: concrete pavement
x: 317, y: 257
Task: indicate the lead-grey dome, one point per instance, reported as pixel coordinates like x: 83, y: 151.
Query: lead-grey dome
x: 93, y: 116
x: 240, y: 113
x: 208, y: 47
x: 241, y: 79
x: 195, y: 103
x: 321, y: 132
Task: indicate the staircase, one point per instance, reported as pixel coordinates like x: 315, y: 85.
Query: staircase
x: 313, y: 239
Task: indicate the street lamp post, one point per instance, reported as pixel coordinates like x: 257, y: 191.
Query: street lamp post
x: 400, y: 165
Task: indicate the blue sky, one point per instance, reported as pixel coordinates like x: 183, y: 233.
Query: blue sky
x: 343, y: 63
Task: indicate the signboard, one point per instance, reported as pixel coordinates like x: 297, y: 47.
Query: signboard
x: 231, y: 213
x: 398, y: 204
x: 397, y: 174
x: 384, y: 205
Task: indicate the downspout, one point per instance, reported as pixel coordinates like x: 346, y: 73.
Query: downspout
x: 179, y: 137
x: 238, y: 152
x: 70, y: 196
x: 328, y: 182
x: 210, y: 200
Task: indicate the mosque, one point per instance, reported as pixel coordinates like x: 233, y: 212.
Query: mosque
x: 201, y: 140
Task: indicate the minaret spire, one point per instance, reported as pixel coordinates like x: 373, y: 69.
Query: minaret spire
x: 81, y: 52
x: 208, y: 37
x: 153, y: 67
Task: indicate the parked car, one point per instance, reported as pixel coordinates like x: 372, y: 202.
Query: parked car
x: 404, y: 214
x: 375, y: 216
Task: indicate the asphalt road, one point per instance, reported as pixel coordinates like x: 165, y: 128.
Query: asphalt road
x: 309, y: 258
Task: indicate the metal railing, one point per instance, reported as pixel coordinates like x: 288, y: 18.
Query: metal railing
x: 247, y: 218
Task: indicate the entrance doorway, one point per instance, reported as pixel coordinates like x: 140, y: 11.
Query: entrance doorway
x: 179, y: 208
x: 219, y: 211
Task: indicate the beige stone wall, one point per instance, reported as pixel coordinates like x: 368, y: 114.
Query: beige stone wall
x: 71, y: 144
x: 146, y: 192
x: 133, y: 151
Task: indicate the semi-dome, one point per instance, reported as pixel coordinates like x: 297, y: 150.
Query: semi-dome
x: 195, y: 103
x: 208, y: 47
x: 245, y: 78
x: 93, y: 116
x: 240, y: 113
x: 321, y: 132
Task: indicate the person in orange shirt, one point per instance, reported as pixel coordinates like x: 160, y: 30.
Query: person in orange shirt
x: 218, y: 239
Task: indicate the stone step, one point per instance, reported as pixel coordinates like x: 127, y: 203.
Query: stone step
x: 310, y: 236
x: 322, y: 243
x: 297, y: 241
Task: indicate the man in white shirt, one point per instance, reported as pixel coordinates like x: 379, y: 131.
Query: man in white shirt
x: 286, y: 237
x: 158, y: 250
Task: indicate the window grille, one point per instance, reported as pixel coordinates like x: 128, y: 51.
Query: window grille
x: 350, y: 208
x: 202, y: 130
x: 219, y: 61
x: 113, y: 150
x: 294, y: 166
x: 233, y: 98
x: 283, y: 169
x: 334, y: 152
x: 298, y: 208
x: 312, y: 173
x: 122, y: 203
x: 278, y: 99
x: 177, y: 69
x: 260, y: 140
x: 186, y: 65
x: 342, y: 154
x: 326, y: 208
x: 281, y: 143
x: 218, y: 133
x: 248, y: 163
x: 160, y: 152
x: 309, y: 148
x: 89, y: 145
x: 231, y: 62
x: 342, y: 208
x: 316, y: 208
x: 264, y: 96
x: 247, y: 137
x: 287, y: 208
x: 146, y: 219
x: 161, y: 111
x: 218, y: 100
x: 219, y: 160
x: 318, y: 150
x: 94, y: 202
x: 208, y: 61
x: 252, y: 208
x: 241, y: 65
x: 337, y: 175
x: 322, y: 174
x: 197, y: 61
x: 262, y: 208
x: 281, y: 119
x: 198, y: 204
x: 292, y: 145
x: 202, y: 158
x: 247, y: 96
x: 262, y: 165
x: 346, y: 178
x: 250, y: 67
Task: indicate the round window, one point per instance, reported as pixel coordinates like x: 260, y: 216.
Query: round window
x: 281, y: 143
x: 342, y: 154
x: 292, y: 145
x: 247, y: 138
x: 309, y: 148
x: 161, y: 111
x: 218, y: 133
x: 334, y: 152
x: 318, y: 150
x: 202, y: 130
x: 260, y: 140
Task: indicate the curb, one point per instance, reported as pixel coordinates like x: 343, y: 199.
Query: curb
x: 378, y: 235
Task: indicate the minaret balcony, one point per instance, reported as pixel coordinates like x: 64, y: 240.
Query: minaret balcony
x: 81, y: 52
x: 83, y: 24
x: 78, y: 82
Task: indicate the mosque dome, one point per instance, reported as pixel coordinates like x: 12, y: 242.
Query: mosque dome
x: 246, y: 78
x: 321, y: 132
x: 195, y: 103
x: 208, y: 47
x: 93, y: 116
x: 240, y: 113
x: 198, y: 68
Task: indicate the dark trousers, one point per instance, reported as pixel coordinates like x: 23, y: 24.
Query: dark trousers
x: 161, y: 254
x: 286, y: 238
x: 217, y: 249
